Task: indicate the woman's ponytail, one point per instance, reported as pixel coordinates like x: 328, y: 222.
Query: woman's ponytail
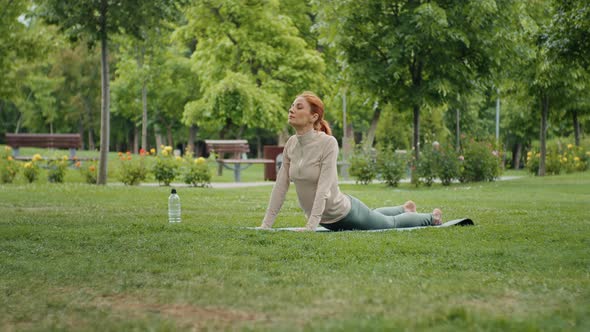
x: 325, y: 127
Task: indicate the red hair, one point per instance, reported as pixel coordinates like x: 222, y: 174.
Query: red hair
x: 317, y: 106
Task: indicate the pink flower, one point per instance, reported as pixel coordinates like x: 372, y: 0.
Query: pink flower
x: 495, y: 153
x: 461, y: 158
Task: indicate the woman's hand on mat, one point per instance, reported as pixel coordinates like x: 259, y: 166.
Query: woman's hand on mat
x: 263, y: 226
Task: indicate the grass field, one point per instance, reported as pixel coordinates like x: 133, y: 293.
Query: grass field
x: 81, y: 257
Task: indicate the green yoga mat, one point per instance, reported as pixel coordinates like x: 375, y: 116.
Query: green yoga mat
x: 456, y: 222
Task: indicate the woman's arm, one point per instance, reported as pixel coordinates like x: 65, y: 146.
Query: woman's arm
x: 328, y: 176
x: 279, y: 191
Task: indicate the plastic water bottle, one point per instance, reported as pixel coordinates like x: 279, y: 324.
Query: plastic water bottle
x: 173, y: 207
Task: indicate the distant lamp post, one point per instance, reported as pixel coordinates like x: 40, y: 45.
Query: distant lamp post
x: 498, y: 116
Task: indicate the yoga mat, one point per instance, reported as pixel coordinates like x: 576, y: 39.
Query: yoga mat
x: 456, y: 222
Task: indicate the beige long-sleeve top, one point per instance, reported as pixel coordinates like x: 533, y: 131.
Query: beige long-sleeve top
x: 310, y: 161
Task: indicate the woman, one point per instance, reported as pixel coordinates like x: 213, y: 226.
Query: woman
x: 309, y: 159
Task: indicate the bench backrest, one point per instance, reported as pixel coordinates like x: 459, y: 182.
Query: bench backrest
x: 64, y: 141
x: 236, y: 146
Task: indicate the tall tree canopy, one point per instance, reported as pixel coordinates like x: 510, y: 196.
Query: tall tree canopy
x: 251, y: 61
x: 415, y: 53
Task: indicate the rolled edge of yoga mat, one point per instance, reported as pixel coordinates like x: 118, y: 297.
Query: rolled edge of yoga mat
x: 458, y: 222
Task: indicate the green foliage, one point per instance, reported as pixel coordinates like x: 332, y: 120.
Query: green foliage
x: 426, y: 166
x: 166, y: 167
x: 448, y: 165
x: 363, y: 165
x: 416, y: 53
x: 391, y: 165
x: 132, y: 171
x: 560, y: 158
x: 31, y: 171
x: 9, y: 168
x: 197, y: 172
x: 57, y: 169
x: 251, y: 62
x: 568, y: 31
x: 89, y: 172
x: 481, y: 162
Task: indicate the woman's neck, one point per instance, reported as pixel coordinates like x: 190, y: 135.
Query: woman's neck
x: 303, y: 130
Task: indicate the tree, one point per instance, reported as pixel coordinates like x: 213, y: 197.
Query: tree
x: 96, y: 20
x: 251, y: 62
x: 153, y: 76
x: 416, y: 53
x: 569, y: 31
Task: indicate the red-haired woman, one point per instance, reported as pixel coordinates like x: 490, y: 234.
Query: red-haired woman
x: 309, y: 159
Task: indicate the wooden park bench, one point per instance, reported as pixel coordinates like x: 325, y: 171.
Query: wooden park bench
x: 54, y: 141
x: 237, y: 150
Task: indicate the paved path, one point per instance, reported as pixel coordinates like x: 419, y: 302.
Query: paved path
x: 221, y: 185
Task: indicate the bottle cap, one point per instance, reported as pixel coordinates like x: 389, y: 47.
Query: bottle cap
x: 173, y: 190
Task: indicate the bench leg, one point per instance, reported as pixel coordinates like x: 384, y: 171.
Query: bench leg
x: 237, y: 170
x: 72, y: 153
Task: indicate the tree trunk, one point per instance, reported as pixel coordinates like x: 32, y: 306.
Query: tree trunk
x: 158, y: 135
x: 258, y: 147
x: 576, y: 127
x: 105, y: 107
x: 516, y: 154
x: 458, y: 129
x: 543, y: 138
x: 18, y: 123
x: 144, y: 117
x: 192, y: 133
x: 135, y: 139
x: 169, y: 135
x: 416, y: 139
x: 91, y: 143
x: 345, y: 138
x: 81, y: 132
x: 370, y: 138
x: 240, y: 132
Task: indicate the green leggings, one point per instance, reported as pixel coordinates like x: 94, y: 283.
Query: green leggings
x: 362, y: 217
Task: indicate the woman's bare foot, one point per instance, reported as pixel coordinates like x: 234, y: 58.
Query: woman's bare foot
x: 409, y: 206
x: 436, y: 217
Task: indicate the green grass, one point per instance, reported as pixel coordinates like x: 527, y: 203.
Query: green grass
x: 82, y: 257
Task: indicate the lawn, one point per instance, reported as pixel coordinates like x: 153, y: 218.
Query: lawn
x: 81, y: 257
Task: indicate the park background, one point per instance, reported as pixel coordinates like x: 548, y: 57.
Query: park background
x: 416, y: 92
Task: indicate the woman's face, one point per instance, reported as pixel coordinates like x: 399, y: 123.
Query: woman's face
x: 300, y: 113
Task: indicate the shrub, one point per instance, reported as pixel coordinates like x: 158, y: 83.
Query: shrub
x: 8, y: 166
x: 197, y: 173
x: 532, y: 162
x: 363, y: 166
x: 89, y: 172
x: 447, y: 165
x: 426, y: 166
x: 481, y: 162
x: 568, y: 158
x: 166, y: 167
x: 57, y: 169
x: 391, y: 165
x: 31, y: 170
x: 132, y: 171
